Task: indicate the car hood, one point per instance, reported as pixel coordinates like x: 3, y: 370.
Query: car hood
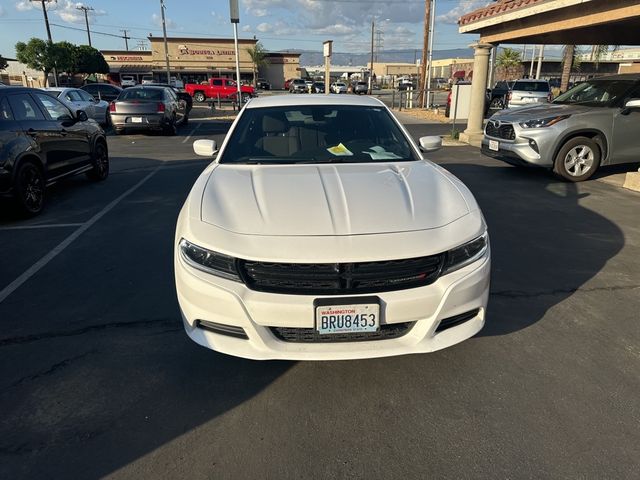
x: 538, y: 111
x: 317, y: 200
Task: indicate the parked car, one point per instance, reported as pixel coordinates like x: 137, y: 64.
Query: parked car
x: 224, y: 88
x: 43, y: 141
x: 368, y: 249
x: 287, y: 83
x: 181, y: 94
x: 128, y: 81
x: 77, y: 99
x: 526, y: 92
x: 339, y: 87
x: 498, y: 96
x: 405, y: 83
x: 318, y: 87
x: 147, y: 108
x: 360, y: 87
x: 298, y: 85
x: 263, y: 84
x: 147, y: 79
x: 102, y: 91
x: 593, y: 124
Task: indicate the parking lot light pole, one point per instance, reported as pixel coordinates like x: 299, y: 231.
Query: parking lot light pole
x: 166, y: 49
x: 234, y: 13
x: 327, y: 50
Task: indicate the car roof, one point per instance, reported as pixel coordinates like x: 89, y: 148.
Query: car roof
x: 295, y: 100
x: 147, y: 87
x: 100, y: 83
x: 19, y: 89
x: 530, y: 80
x: 620, y: 76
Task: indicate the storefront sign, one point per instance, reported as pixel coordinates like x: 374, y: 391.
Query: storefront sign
x: 186, y: 50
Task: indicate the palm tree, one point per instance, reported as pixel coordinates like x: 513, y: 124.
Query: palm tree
x: 258, y: 57
x: 508, y: 57
x: 567, y: 65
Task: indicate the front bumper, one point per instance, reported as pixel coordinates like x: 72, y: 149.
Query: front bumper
x: 532, y: 146
x: 206, y: 297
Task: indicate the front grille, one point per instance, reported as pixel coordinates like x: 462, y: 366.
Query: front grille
x: 311, y: 335
x: 340, y: 278
x: 502, y: 130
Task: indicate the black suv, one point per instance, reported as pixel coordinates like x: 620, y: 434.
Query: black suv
x: 42, y: 141
x: 103, y: 91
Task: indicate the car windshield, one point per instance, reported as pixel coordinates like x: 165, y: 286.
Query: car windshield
x: 531, y: 86
x: 317, y: 134
x: 595, y: 93
x: 141, y: 94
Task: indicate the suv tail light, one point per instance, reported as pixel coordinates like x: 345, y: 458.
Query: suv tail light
x: 112, y: 107
x: 160, y: 107
x: 449, y: 98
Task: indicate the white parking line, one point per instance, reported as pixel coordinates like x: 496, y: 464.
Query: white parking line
x: 36, y: 267
x: 32, y: 227
x: 191, y: 133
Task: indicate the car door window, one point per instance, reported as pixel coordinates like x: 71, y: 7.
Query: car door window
x: 74, y: 96
x: 217, y: 83
x: 5, y: 111
x: 53, y: 107
x: 25, y: 108
x: 85, y: 96
x: 91, y: 89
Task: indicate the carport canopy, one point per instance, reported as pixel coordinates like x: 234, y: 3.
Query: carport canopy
x: 559, y: 22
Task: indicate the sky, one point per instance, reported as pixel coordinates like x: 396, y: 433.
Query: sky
x: 278, y: 24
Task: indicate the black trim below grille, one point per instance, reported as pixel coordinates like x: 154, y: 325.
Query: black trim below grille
x: 457, y: 320
x: 340, y: 278
x: 504, y: 131
x: 221, y: 329
x: 311, y: 335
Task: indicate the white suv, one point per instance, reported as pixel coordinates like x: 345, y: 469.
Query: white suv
x: 321, y: 233
x: 529, y: 92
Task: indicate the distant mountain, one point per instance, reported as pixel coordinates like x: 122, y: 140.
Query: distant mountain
x: 312, y: 58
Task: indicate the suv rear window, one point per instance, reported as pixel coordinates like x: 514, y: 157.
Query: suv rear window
x: 531, y: 86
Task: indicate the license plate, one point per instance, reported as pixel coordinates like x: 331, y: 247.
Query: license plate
x: 136, y: 119
x: 494, y: 145
x: 530, y: 100
x: 340, y: 316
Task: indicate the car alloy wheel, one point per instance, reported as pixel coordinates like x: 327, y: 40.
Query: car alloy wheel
x: 199, y: 97
x: 30, y: 188
x: 100, y: 170
x: 579, y: 160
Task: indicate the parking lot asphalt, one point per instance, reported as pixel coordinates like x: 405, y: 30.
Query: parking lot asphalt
x: 99, y: 380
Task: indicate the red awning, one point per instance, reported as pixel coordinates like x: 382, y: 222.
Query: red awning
x: 459, y: 74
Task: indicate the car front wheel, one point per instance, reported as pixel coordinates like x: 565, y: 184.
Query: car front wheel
x: 577, y: 160
x: 29, y: 189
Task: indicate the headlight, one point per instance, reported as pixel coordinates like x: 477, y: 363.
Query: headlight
x: 543, y: 122
x: 211, y: 262
x: 465, y: 254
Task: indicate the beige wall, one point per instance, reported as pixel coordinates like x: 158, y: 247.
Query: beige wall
x: 279, y: 69
x: 192, y: 54
x: 629, y: 67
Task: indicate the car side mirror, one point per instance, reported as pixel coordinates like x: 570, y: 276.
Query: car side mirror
x: 205, y: 148
x: 430, y: 144
x: 632, y: 104
x: 81, y: 115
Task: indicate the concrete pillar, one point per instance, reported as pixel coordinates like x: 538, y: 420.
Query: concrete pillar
x: 473, y: 133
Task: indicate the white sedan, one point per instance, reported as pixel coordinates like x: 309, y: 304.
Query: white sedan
x: 338, y: 87
x: 320, y: 232
x: 77, y: 99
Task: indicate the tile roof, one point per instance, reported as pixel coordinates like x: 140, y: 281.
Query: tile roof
x: 501, y: 6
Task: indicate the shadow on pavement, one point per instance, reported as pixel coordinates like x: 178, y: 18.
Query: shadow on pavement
x: 545, y: 245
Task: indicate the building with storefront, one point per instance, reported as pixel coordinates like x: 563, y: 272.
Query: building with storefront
x: 195, y: 60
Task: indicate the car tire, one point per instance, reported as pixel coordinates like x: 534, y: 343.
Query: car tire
x: 100, y: 160
x: 29, y: 189
x: 577, y: 160
x: 496, y: 104
x: 185, y: 119
x: 199, y: 97
x: 171, y: 128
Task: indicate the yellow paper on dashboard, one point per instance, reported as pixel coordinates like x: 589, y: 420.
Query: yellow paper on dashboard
x: 340, y: 151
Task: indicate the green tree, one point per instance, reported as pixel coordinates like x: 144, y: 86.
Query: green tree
x: 3, y: 63
x: 87, y: 60
x: 508, y: 57
x: 36, y: 54
x: 258, y: 57
x: 64, y: 54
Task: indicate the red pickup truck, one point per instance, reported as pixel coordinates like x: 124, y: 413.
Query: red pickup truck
x: 225, y: 88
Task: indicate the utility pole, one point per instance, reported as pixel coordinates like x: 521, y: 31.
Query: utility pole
x: 234, y: 17
x: 86, y: 11
x: 126, y: 38
x: 46, y: 22
x: 533, y: 57
x: 425, y: 48
x: 370, y: 89
x: 431, y: 34
x: 166, y: 49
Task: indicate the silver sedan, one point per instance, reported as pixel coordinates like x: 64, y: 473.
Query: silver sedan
x: 77, y: 99
x: 147, y: 108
